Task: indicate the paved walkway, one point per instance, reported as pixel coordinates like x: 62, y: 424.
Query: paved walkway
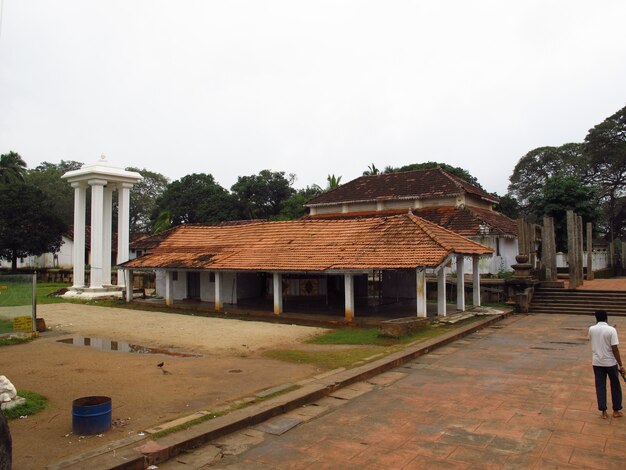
x: 517, y: 395
x: 615, y: 283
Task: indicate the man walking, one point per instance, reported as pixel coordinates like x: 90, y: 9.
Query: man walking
x: 606, y: 361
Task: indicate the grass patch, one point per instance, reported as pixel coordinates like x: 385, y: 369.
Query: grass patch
x: 34, y: 404
x: 371, y: 336
x: 16, y: 293
x: 187, y: 425
x: 325, y: 359
x: 14, y: 340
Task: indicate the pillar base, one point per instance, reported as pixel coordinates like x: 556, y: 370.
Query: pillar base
x: 94, y: 292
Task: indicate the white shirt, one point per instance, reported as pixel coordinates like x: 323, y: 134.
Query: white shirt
x: 602, y: 337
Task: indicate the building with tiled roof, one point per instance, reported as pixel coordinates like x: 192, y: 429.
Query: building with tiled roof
x: 433, y: 194
x: 308, y: 258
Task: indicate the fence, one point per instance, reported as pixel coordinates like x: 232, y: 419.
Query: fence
x: 599, y: 259
x: 18, y: 303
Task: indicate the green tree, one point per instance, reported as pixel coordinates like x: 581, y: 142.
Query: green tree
x: 293, y: 208
x: 539, y: 165
x: 605, y: 147
x: 508, y: 206
x: 196, y: 198
x: 143, y: 198
x: 332, y: 182
x: 560, y: 194
x: 261, y: 196
x: 12, y: 168
x: 371, y: 170
x: 28, y: 223
x: 47, y: 177
x: 455, y: 170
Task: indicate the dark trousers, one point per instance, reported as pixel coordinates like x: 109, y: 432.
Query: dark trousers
x: 601, y: 374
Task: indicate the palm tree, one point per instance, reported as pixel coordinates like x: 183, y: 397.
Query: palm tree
x: 371, y: 170
x: 12, y: 168
x: 333, y: 181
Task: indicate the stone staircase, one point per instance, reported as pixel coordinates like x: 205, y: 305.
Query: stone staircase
x: 582, y: 302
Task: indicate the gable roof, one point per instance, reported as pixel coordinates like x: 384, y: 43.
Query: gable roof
x: 396, y: 242
x: 465, y: 221
x: 419, y: 184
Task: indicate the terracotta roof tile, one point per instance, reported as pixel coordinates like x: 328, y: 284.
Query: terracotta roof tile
x: 419, y: 184
x: 404, y: 241
x: 464, y: 221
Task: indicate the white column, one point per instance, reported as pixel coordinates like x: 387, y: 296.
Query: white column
x: 460, y: 284
x: 80, y: 203
x: 441, y: 292
x: 349, y: 288
x: 219, y: 278
x: 126, y: 275
x: 123, y: 221
x: 97, y: 207
x: 107, y: 229
x: 277, y: 284
x: 420, y: 293
x: 169, y: 288
x: 476, y: 280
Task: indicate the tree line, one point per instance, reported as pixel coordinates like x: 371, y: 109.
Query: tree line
x: 36, y: 205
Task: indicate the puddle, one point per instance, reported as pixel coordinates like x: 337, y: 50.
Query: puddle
x: 104, y: 344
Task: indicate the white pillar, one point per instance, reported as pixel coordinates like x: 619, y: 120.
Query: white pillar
x: 476, y: 280
x: 169, y: 288
x: 97, y: 205
x: 219, y: 278
x: 277, y: 284
x: 107, y: 229
x: 441, y: 292
x: 123, y: 221
x: 80, y: 203
x: 460, y: 284
x: 422, y: 305
x: 126, y: 275
x: 349, y: 288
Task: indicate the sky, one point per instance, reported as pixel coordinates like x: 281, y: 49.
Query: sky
x: 314, y: 88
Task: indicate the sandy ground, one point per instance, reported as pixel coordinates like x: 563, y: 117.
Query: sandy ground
x: 229, y: 368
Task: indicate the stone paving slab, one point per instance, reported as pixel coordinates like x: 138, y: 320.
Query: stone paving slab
x: 496, y: 402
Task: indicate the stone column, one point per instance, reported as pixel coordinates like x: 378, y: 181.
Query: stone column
x: 476, y: 280
x: 571, y: 249
x: 97, y: 242
x: 80, y: 205
x: 460, y: 284
x: 277, y: 284
x: 123, y: 218
x: 107, y: 229
x: 548, y: 249
x: 219, y: 278
x: 589, y: 251
x: 349, y: 288
x: 441, y: 292
x: 420, y: 293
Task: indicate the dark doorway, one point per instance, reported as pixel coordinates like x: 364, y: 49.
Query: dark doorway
x: 193, y: 285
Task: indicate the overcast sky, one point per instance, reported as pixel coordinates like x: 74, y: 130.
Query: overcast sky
x: 312, y: 88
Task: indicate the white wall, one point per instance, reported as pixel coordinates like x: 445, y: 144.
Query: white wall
x: 64, y: 258
x: 495, y: 263
x: 600, y: 260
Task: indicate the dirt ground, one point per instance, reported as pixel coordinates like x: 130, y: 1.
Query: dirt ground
x: 143, y: 395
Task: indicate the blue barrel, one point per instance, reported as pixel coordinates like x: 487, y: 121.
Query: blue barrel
x: 91, y: 415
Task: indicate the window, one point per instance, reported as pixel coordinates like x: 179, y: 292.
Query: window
x: 175, y: 276
x: 498, y: 247
x: 212, y: 277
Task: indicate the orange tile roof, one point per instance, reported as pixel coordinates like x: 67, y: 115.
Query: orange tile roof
x: 430, y: 183
x: 403, y: 241
x: 464, y: 221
